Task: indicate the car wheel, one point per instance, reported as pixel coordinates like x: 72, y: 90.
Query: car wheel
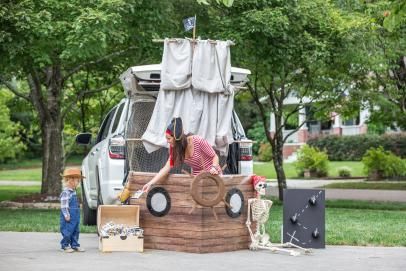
x: 89, y: 215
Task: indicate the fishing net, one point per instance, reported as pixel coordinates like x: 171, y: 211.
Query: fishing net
x: 138, y: 159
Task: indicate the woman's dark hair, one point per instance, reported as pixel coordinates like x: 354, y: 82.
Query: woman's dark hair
x: 176, y: 130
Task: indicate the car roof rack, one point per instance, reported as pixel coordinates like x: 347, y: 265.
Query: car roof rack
x: 147, y: 79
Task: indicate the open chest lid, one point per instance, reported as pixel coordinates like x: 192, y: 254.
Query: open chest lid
x: 119, y: 214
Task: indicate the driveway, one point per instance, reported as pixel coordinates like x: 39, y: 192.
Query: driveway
x: 40, y: 252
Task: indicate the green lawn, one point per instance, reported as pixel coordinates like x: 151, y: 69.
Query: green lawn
x: 371, y: 224
x: 37, y: 163
x: 267, y: 169
x: 357, y: 227
x: 369, y: 185
x: 11, y: 192
x: 26, y: 174
x: 29, y: 169
x: 34, y: 220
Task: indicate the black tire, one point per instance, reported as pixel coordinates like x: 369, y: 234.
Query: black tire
x: 89, y: 215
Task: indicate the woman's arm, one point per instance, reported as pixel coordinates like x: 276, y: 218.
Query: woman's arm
x: 161, y: 174
x: 215, y: 168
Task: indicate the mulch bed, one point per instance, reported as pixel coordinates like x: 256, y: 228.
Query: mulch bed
x: 36, y: 198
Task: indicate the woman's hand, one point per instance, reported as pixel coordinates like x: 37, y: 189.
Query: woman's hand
x: 214, y: 170
x: 146, y: 187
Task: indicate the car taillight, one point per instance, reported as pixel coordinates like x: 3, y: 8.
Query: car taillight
x: 245, y: 150
x: 246, y: 158
x: 117, y: 147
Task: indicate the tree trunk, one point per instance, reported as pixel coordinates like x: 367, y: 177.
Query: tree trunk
x: 280, y: 172
x: 52, y: 157
x: 46, y: 96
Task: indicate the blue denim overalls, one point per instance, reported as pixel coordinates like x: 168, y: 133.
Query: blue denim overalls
x: 70, y: 230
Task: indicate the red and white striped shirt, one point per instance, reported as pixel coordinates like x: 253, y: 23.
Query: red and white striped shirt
x: 202, y: 157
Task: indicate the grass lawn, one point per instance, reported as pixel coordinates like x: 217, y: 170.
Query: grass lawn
x: 347, y: 222
x: 29, y: 169
x: 37, y: 163
x: 369, y: 185
x: 26, y: 174
x: 358, y: 227
x: 34, y: 220
x: 350, y: 222
x: 267, y: 169
x: 11, y: 192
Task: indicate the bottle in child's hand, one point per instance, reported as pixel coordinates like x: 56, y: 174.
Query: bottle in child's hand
x: 137, y: 194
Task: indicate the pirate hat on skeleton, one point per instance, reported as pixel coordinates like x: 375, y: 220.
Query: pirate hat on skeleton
x: 175, y: 128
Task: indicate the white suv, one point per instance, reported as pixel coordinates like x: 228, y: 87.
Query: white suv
x: 105, y: 165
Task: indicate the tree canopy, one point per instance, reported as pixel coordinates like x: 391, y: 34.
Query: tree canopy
x: 50, y: 44
x: 64, y: 58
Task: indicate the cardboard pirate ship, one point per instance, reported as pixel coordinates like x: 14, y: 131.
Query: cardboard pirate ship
x: 195, y: 82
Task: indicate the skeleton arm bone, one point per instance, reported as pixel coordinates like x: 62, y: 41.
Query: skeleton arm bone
x: 248, y: 222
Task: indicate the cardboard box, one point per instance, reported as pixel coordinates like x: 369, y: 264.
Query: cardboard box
x: 125, y: 214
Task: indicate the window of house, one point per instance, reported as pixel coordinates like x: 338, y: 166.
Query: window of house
x: 351, y: 121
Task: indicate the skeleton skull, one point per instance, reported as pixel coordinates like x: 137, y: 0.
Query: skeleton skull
x: 259, y: 184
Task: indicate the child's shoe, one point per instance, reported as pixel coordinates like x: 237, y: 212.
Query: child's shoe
x: 67, y: 250
x: 78, y: 249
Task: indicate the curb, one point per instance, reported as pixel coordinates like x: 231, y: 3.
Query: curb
x: 29, y: 205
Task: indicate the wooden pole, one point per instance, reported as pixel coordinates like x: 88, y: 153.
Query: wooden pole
x: 194, y: 29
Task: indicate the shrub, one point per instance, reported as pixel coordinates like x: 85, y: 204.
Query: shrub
x: 344, y: 172
x: 313, y: 160
x: 265, y: 152
x: 257, y: 134
x: 380, y: 164
x: 353, y: 148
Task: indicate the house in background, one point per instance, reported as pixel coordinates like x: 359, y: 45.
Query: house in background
x: 336, y: 125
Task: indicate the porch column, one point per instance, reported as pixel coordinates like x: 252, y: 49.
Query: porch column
x: 363, y: 117
x: 302, y: 133
x: 337, y: 130
x: 272, y: 127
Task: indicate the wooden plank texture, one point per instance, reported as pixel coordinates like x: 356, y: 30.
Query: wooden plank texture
x: 199, y: 231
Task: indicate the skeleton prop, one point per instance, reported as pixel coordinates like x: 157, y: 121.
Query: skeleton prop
x: 260, y: 214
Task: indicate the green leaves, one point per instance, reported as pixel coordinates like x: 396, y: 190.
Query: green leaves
x: 396, y: 16
x: 10, y: 142
x: 227, y: 3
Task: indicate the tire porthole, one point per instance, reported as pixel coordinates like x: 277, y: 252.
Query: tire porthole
x: 158, y: 201
x: 235, y: 198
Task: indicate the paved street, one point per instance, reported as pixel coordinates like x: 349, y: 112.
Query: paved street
x: 40, y: 252
x: 349, y: 194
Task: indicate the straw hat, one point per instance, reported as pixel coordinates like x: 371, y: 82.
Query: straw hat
x: 72, y: 172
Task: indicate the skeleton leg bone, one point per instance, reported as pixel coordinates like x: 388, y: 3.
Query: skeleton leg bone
x: 289, y: 244
x: 260, y: 214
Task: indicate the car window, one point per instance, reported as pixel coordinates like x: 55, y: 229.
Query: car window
x: 117, y: 118
x: 104, y: 130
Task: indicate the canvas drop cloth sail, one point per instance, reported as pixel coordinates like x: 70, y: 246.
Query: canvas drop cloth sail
x: 195, y: 85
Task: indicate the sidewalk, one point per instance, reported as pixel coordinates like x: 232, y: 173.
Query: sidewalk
x: 40, y: 252
x: 19, y: 183
x: 348, y: 194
